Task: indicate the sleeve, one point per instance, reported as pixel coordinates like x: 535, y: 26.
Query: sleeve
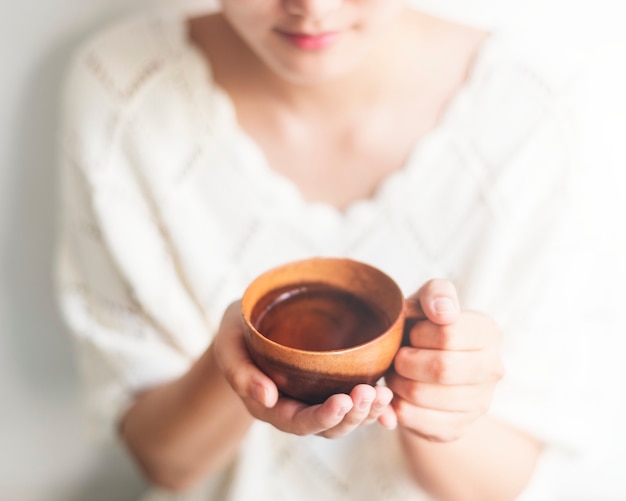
x: 551, y: 268
x: 553, y: 274
x: 134, y: 320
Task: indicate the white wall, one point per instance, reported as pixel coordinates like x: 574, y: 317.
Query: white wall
x: 42, y: 453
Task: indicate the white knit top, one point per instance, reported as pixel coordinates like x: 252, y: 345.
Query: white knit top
x: 170, y: 210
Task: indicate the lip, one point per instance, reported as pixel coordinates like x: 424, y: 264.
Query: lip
x: 310, y: 41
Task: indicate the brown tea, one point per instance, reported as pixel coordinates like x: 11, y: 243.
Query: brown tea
x: 317, y: 317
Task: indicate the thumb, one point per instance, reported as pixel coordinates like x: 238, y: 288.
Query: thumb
x: 436, y: 301
x: 233, y: 359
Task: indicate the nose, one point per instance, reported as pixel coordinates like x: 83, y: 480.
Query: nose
x: 315, y: 9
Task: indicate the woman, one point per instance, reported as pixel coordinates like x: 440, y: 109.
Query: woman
x: 201, y: 151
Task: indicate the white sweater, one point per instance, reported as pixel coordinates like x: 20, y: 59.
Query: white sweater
x: 170, y: 210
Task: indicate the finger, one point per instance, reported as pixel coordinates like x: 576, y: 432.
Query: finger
x: 315, y: 419
x: 299, y: 418
x: 451, y: 398
x: 388, y: 418
x: 381, y: 409
x: 382, y: 399
x: 370, y: 403
x: 472, y: 331
x: 232, y: 357
x: 384, y: 395
x: 436, y: 301
x: 434, y: 425
x: 447, y: 367
x: 363, y: 397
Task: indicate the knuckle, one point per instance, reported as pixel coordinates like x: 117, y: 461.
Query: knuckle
x: 447, y: 337
x: 236, y: 379
x: 493, y: 368
x: 430, y: 284
x: 401, y: 362
x: 441, y: 369
x: 392, y: 380
x: 415, y: 334
x: 441, y: 286
x: 416, y: 394
x: 438, y: 283
x: 403, y: 414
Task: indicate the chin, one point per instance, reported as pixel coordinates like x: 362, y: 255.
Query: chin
x: 313, y: 69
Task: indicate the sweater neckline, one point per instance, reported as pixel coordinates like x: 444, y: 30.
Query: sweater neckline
x: 259, y: 171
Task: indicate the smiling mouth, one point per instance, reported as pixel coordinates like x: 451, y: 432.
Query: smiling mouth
x: 310, y: 41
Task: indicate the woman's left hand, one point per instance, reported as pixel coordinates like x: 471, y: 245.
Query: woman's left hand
x: 338, y: 416
x: 445, y: 379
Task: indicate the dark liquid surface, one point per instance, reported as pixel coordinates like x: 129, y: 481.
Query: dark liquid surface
x: 317, y: 317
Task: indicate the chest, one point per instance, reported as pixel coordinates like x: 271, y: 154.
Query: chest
x: 340, y: 164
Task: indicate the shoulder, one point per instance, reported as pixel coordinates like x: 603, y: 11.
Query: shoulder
x: 519, y: 122
x: 138, y: 70
x: 115, y: 64
x: 516, y: 92
x: 109, y: 72
x: 521, y: 64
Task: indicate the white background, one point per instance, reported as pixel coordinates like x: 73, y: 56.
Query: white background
x: 43, y: 455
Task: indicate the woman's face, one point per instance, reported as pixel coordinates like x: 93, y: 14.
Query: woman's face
x: 310, y: 41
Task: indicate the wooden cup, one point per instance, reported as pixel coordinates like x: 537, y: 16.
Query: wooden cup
x: 309, y: 374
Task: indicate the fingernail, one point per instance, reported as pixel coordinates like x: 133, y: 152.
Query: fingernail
x: 364, y: 404
x: 379, y: 406
x: 444, y: 306
x: 259, y: 394
x: 392, y: 426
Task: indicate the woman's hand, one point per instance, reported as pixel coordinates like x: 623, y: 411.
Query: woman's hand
x: 445, y: 379
x: 337, y: 416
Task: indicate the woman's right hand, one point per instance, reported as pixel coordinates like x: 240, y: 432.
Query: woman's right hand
x: 339, y: 415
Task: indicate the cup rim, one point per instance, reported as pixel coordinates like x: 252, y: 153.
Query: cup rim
x: 325, y: 353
